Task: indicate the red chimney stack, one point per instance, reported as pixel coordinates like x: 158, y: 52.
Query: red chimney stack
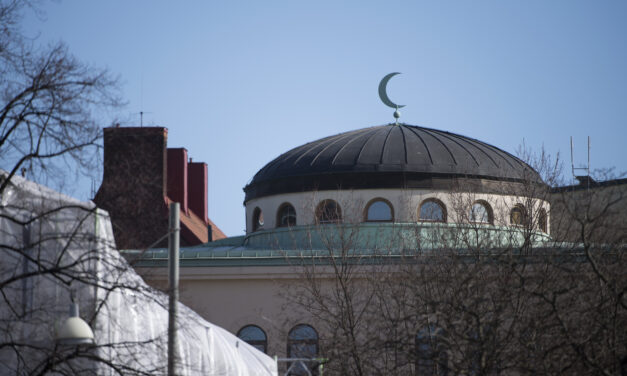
x: 197, y: 189
x: 177, y: 176
x: 141, y: 178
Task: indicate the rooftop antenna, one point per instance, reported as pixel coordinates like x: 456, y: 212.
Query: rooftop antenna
x: 141, y: 117
x: 141, y: 101
x: 587, y: 179
x: 384, y: 95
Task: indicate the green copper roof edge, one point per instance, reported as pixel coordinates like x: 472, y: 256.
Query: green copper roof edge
x: 293, y: 261
x: 230, y: 241
x: 371, y: 239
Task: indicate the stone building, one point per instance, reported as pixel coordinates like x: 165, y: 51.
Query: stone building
x: 590, y: 210
x: 389, y: 190
x: 387, y: 195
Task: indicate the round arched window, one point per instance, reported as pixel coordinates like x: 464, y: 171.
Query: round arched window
x: 257, y: 219
x: 432, y: 210
x: 302, y: 342
x: 328, y: 211
x: 543, y: 221
x: 379, y: 210
x: 480, y: 212
x: 254, y: 336
x: 518, y: 215
x: 286, y: 216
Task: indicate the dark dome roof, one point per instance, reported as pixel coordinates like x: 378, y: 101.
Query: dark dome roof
x: 386, y: 156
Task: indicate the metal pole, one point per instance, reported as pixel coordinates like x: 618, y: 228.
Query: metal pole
x: 173, y: 266
x: 572, y: 159
x: 588, y: 155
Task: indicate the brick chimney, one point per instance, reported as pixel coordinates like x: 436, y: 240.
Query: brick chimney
x: 141, y: 178
x: 197, y: 189
x: 177, y: 176
x: 133, y: 184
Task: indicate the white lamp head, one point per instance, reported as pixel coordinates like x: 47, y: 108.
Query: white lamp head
x: 74, y: 330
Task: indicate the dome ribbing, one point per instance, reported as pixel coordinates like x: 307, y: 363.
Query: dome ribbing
x: 384, y: 157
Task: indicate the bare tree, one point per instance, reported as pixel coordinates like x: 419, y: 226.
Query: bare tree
x: 50, y: 245
x: 56, y: 249
x: 482, y: 297
x: 49, y: 101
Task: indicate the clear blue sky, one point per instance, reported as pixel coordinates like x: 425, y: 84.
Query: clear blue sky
x: 238, y: 83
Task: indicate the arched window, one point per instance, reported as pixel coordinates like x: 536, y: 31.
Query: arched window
x: 257, y: 219
x: 328, y: 211
x: 432, y: 210
x: 254, y: 336
x: 286, y: 216
x: 431, y: 355
x: 480, y: 212
x: 518, y: 215
x: 302, y: 342
x: 543, y: 220
x: 379, y: 210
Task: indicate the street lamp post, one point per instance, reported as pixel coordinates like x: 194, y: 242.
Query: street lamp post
x: 74, y: 330
x: 173, y: 276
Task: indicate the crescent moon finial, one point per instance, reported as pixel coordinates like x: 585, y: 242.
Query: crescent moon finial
x: 384, y: 95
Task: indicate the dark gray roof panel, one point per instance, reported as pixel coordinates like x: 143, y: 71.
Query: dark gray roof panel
x: 406, y: 149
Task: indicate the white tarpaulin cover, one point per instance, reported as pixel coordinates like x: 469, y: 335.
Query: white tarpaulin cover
x: 53, y: 246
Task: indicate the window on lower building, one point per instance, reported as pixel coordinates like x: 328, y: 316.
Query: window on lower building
x: 302, y: 343
x: 431, y: 355
x: 254, y: 336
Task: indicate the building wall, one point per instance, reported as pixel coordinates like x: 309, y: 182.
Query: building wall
x: 233, y: 297
x: 590, y: 213
x: 405, y: 203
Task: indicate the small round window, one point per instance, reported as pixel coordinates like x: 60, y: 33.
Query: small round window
x: 257, y: 219
x: 328, y: 211
x: 286, y: 216
x: 432, y: 210
x: 379, y: 210
x: 543, y: 221
x: 480, y: 212
x: 517, y: 215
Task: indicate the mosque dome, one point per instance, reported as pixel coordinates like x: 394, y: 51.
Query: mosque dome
x: 388, y: 156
